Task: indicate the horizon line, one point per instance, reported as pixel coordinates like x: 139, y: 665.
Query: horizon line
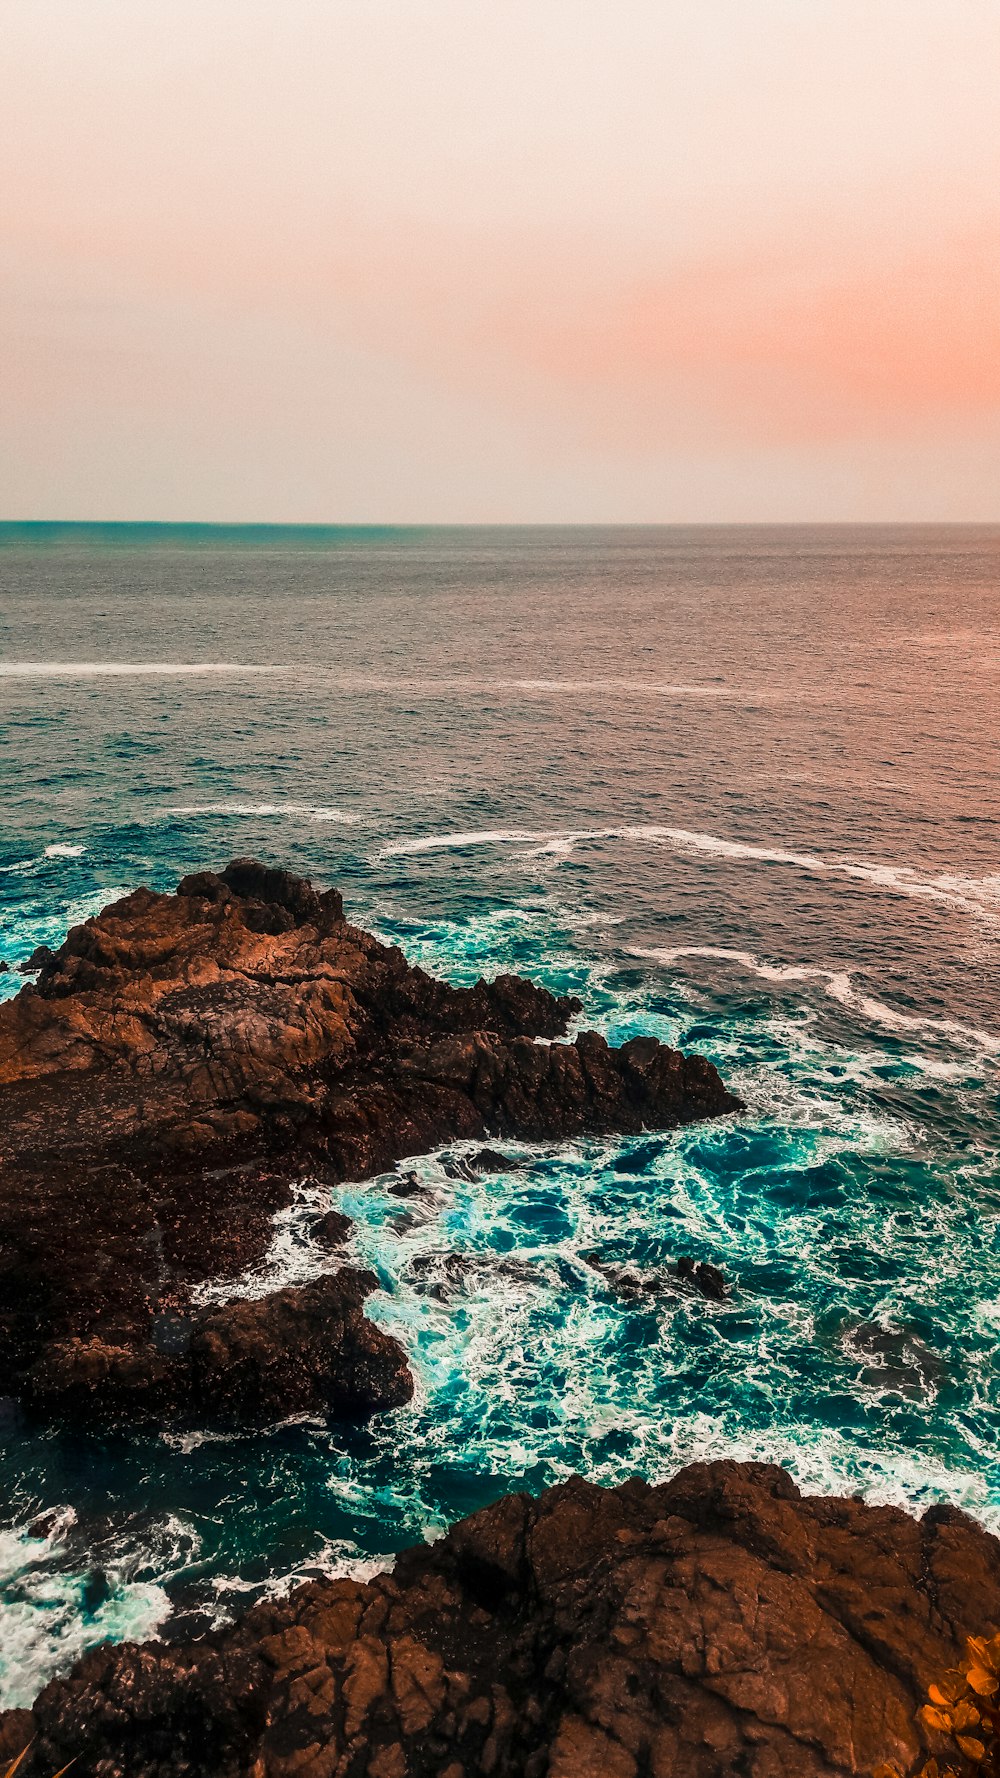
x: 38, y: 528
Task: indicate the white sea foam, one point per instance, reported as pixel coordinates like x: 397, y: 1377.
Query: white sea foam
x: 25, y: 866
x: 307, y: 811
x: 43, y: 1626
x: 977, y: 895
x: 827, y: 1463
x: 335, y: 1560
x: 839, y: 985
x: 293, y: 1257
x: 124, y: 669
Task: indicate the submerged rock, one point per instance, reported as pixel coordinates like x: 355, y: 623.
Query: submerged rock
x: 445, y: 1274
x: 719, y: 1624
x: 182, y: 1059
x: 894, y: 1359
x: 708, y: 1279
x: 637, y: 1285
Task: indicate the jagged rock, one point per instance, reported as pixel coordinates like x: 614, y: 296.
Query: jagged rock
x: 408, y: 1186
x: 182, y: 1059
x: 632, y: 1286
x: 332, y: 1228
x: 40, y: 958
x: 718, y: 1625
x: 489, y: 1160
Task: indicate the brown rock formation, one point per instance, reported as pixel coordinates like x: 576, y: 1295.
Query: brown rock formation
x: 256, y: 1360
x: 717, y: 1626
x: 182, y: 1058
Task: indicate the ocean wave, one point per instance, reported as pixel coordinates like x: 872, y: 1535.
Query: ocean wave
x: 473, y: 684
x: 838, y: 984
x: 308, y: 811
x: 977, y: 895
x: 24, y: 866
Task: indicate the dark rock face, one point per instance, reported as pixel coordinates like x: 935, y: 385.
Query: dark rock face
x: 332, y: 1228
x: 182, y: 1058
x: 488, y: 1160
x: 715, y: 1626
x: 260, y: 1359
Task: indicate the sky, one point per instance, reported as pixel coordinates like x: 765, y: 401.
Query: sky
x: 496, y: 261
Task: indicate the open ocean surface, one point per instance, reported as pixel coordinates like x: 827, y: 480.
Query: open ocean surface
x: 735, y: 787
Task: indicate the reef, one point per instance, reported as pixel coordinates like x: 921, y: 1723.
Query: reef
x: 183, y: 1059
x: 717, y: 1626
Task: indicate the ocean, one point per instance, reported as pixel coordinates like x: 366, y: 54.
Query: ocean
x: 734, y: 786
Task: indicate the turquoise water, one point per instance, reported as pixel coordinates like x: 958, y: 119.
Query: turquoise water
x: 734, y: 788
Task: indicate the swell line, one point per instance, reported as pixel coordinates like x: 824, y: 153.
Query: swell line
x: 838, y: 984
x: 980, y: 896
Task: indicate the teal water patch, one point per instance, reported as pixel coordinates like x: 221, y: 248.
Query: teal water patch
x: 43, y: 897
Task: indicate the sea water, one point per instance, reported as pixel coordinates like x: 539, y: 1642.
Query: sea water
x: 736, y: 788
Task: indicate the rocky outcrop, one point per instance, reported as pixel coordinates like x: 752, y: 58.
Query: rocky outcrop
x: 301, y: 1350
x: 719, y: 1625
x: 181, y: 1059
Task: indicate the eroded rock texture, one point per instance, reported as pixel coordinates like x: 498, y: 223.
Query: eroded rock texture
x: 719, y: 1625
x: 182, y: 1058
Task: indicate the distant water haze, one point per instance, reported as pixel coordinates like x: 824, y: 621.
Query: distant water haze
x: 435, y: 261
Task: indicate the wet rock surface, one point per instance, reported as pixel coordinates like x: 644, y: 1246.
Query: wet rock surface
x: 717, y: 1625
x: 182, y: 1059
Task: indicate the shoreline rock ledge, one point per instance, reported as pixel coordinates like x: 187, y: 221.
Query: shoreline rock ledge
x: 717, y: 1626
x: 179, y: 1062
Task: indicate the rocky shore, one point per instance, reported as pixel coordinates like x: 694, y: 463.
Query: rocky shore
x: 719, y: 1625
x: 175, y: 1067
x: 177, y: 1064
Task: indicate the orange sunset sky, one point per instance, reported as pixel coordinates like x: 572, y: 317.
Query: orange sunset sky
x: 460, y: 260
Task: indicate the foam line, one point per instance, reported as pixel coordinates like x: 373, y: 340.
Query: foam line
x: 838, y: 984
x: 309, y: 811
x: 472, y: 685
x: 123, y: 669
x: 972, y: 894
